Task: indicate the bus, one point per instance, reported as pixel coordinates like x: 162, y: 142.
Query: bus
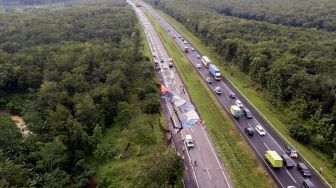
x: 206, y: 61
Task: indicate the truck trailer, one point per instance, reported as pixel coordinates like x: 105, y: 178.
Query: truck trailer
x: 235, y: 111
x: 214, y: 72
x: 274, y: 159
x: 206, y: 61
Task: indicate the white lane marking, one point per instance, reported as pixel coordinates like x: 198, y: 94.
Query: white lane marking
x: 219, y: 164
x: 266, y: 146
x: 207, y: 169
x: 192, y: 167
x: 249, y: 141
x: 227, y: 97
x: 270, y: 136
x: 197, y: 146
x: 250, y: 125
x: 290, y: 176
x: 149, y: 39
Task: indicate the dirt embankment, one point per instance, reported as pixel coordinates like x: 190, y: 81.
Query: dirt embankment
x: 21, y: 124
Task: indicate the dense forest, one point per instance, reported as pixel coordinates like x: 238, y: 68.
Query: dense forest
x: 70, y: 74
x: 298, y: 13
x: 295, y: 65
x: 31, y: 2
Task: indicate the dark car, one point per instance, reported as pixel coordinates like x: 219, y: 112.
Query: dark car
x: 247, y: 113
x: 232, y: 95
x: 304, y: 170
x: 287, y: 161
x: 209, y: 80
x: 307, y: 184
x: 249, y: 131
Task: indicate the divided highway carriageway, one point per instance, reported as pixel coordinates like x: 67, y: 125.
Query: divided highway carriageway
x: 204, y: 167
x: 284, y: 177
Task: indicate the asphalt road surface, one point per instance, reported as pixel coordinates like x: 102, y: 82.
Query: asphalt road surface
x: 260, y: 144
x: 204, y: 167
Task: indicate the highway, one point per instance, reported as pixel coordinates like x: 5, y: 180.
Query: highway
x: 284, y: 177
x: 208, y: 171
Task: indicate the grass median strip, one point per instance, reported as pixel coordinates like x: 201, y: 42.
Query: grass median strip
x: 275, y: 116
x: 244, y: 168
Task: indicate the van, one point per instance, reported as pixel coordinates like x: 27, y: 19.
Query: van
x: 307, y: 184
x: 247, y: 113
x: 189, y: 141
x: 287, y: 161
x: 304, y: 170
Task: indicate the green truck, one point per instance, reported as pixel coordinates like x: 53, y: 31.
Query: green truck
x: 274, y: 159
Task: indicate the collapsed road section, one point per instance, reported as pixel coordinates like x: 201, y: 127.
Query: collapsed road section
x: 187, y: 131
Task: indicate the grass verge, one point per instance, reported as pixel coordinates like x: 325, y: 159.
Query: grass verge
x: 243, y: 166
x: 276, y: 116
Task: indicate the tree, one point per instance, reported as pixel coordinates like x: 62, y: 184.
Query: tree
x: 56, y: 178
x: 11, y: 174
x: 52, y: 155
x: 300, y: 133
x: 162, y: 170
x: 10, y: 136
x: 86, y: 110
x: 151, y: 104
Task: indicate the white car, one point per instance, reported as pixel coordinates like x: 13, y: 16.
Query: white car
x: 199, y: 65
x: 185, y: 42
x: 189, y: 141
x: 218, y: 90
x: 192, y: 49
x: 260, y: 130
x: 198, y: 56
x: 239, y: 104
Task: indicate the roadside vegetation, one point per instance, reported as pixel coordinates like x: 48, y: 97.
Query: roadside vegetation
x: 79, y: 79
x: 132, y: 152
x: 302, y: 66
x: 295, y: 13
x: 243, y: 166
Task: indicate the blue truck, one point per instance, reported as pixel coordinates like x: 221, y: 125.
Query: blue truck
x: 214, y: 72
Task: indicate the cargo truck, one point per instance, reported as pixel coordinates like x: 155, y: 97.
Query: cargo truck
x: 206, y: 61
x: 274, y: 159
x: 214, y: 72
x: 235, y: 111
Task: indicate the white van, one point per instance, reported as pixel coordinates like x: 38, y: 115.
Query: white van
x: 189, y: 141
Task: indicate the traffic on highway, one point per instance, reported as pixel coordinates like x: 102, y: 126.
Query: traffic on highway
x: 203, y: 165
x: 282, y: 161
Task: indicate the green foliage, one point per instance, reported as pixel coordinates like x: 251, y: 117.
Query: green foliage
x: 11, y: 174
x: 52, y: 155
x: 295, y: 65
x: 10, y: 136
x: 66, y: 71
x: 300, y: 133
x: 56, y: 178
x: 162, y: 170
x: 309, y: 14
x: 151, y: 104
